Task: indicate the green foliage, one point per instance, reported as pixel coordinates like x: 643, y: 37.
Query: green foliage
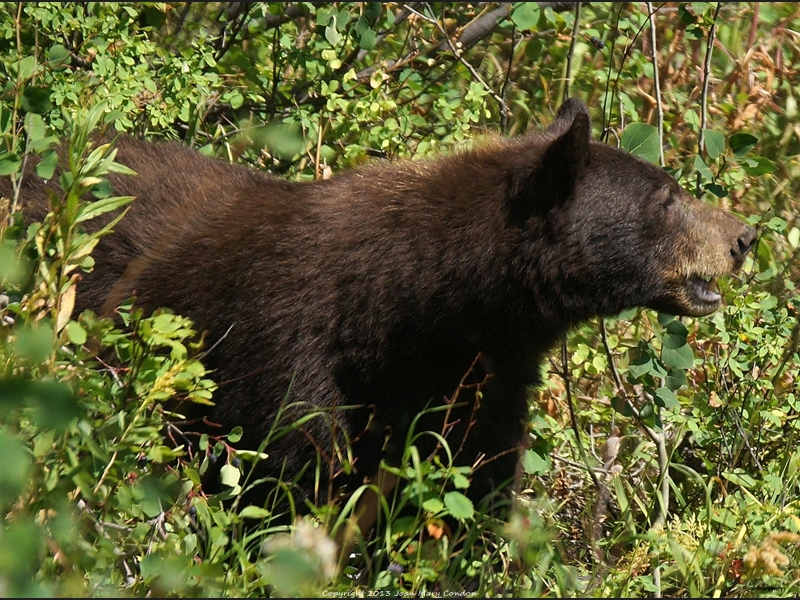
x: 681, y: 474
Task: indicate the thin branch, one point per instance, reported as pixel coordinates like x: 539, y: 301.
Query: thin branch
x: 658, y: 438
x: 567, y: 80
x: 399, y: 17
x: 574, y: 421
x: 607, y: 97
x: 239, y: 19
x: 706, y: 75
x: 751, y: 42
x: 582, y: 466
x: 476, y: 29
x: 651, y: 15
x: 290, y: 13
x: 458, y: 51
x: 625, y: 55
x: 182, y: 18
x: 105, y: 472
x: 481, y: 25
x: 504, y: 90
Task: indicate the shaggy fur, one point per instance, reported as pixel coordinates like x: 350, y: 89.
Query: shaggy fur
x: 378, y: 289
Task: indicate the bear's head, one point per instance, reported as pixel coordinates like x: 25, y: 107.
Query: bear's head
x: 622, y: 232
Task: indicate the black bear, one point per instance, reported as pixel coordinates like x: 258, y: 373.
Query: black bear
x: 403, y: 285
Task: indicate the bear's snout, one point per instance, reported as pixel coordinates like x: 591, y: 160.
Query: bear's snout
x: 744, y: 243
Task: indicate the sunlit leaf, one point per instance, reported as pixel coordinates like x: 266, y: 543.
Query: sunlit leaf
x: 641, y: 139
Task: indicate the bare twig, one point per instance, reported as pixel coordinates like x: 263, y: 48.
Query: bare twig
x: 706, y: 75
x: 290, y: 13
x: 17, y: 183
x: 320, y: 138
x: 751, y: 42
x: 577, y: 465
x: 479, y: 27
x: 182, y: 18
x: 567, y: 81
x: 504, y: 114
x: 105, y: 472
x: 651, y: 15
x: 625, y: 55
x: 239, y: 19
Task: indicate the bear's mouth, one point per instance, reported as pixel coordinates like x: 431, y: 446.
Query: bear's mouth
x: 702, y: 291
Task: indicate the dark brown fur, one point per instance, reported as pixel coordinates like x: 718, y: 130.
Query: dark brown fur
x: 380, y: 287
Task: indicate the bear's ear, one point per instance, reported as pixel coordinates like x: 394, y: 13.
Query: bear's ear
x: 552, y: 180
x: 565, y: 158
x: 565, y: 117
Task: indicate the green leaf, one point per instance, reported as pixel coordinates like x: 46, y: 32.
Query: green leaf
x: 35, y: 343
x: 36, y: 100
x: 620, y: 405
x: 741, y: 143
x: 641, y: 139
x: 58, y: 56
x: 648, y: 414
x: 715, y: 143
x: 12, y: 269
x: 47, y: 165
x: 76, y: 333
x: 35, y: 128
x: 740, y: 478
x: 676, y: 379
x: 677, y: 357
x: 115, y: 167
x: 367, y: 39
x: 433, y: 505
x: 717, y: 190
x: 525, y: 15
x: 17, y: 463
x: 250, y: 454
x: 459, y: 506
x: 163, y: 454
x: 535, y: 464
x: 758, y: 166
x: 236, y: 100
x: 235, y: 435
x: 254, y: 512
x: 641, y: 365
x: 26, y: 67
x: 9, y: 163
x: 701, y: 167
x: 460, y: 481
x: 53, y: 402
x: 90, y: 211
x: 284, y: 140
x: 677, y: 329
x: 667, y: 398
x: 793, y: 237
x: 333, y: 36
x: 700, y: 8
x: 229, y: 475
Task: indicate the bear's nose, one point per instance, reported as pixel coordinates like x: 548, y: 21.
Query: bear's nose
x: 744, y: 243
